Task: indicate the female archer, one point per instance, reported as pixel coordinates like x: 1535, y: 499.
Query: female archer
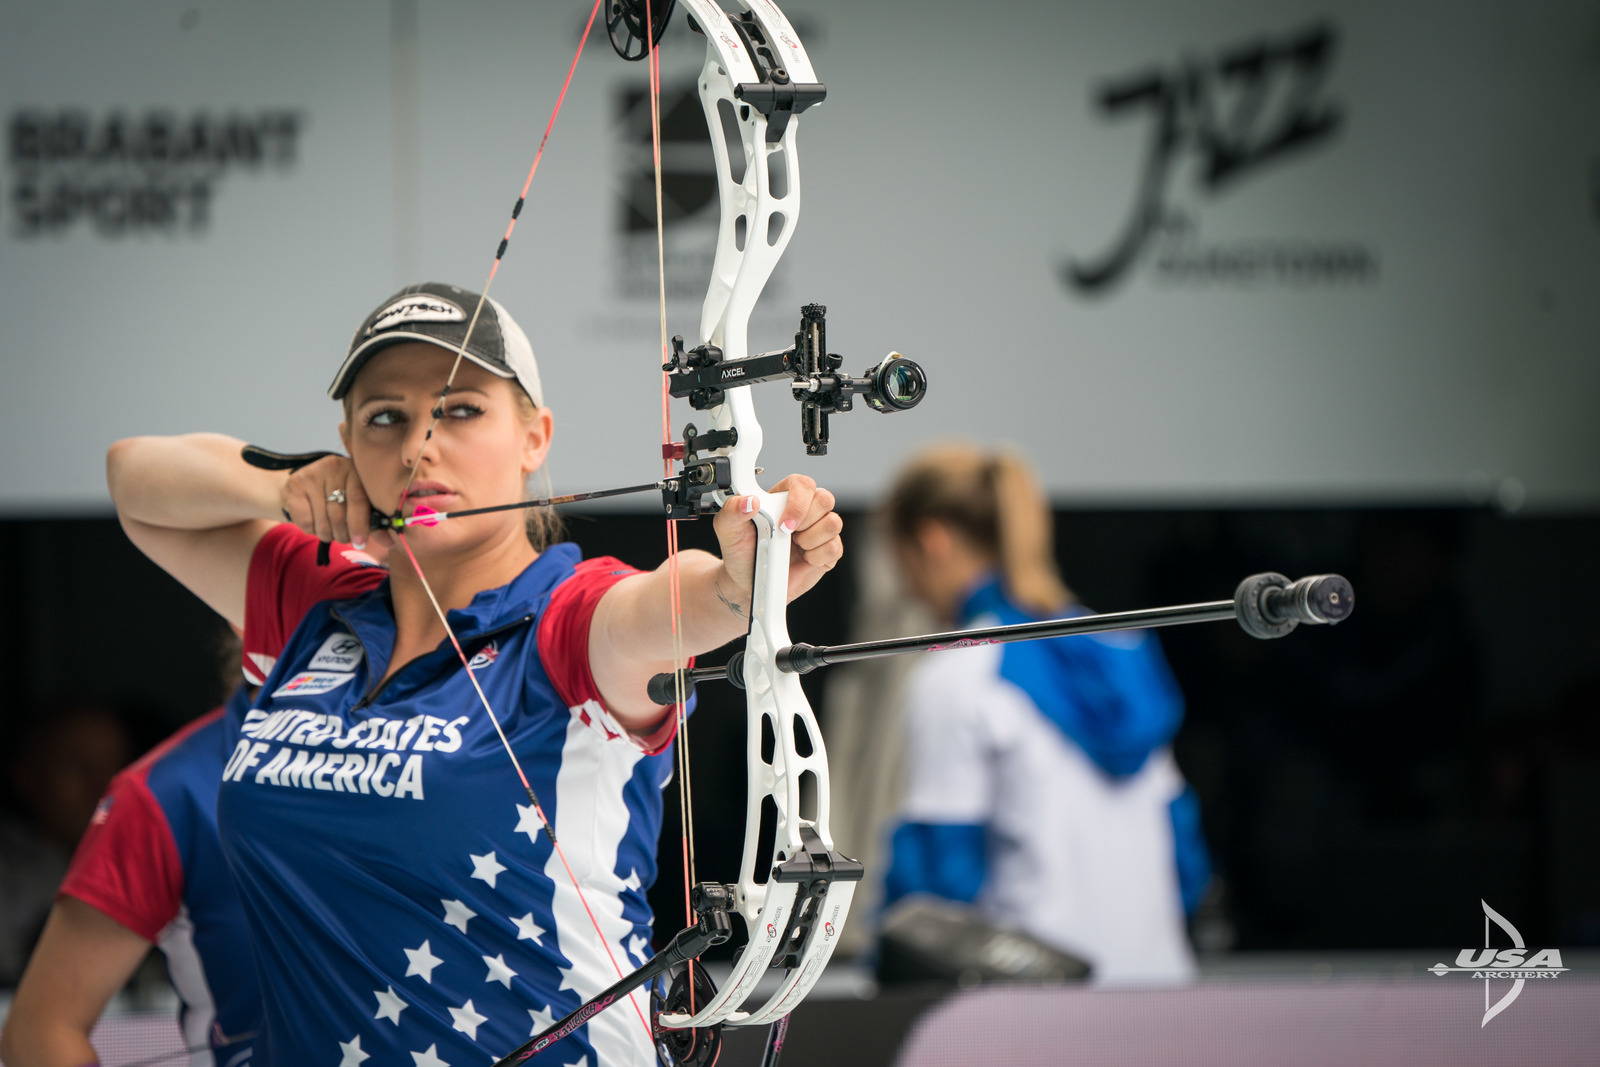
x: 406, y: 902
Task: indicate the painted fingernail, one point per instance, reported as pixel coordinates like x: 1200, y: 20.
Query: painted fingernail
x: 749, y: 505
x: 788, y: 526
x: 359, y: 542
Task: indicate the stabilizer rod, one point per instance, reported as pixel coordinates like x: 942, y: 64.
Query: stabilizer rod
x: 1265, y: 605
x: 713, y: 928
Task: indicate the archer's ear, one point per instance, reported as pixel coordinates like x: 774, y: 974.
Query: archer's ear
x: 537, y: 434
x: 344, y: 436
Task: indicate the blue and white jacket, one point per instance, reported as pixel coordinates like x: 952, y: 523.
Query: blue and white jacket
x: 1040, y: 786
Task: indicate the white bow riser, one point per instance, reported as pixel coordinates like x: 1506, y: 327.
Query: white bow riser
x: 749, y: 208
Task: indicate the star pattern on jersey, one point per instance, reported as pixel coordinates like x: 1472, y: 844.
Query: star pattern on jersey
x: 633, y: 881
x: 542, y: 1021
x: 598, y: 721
x: 528, y: 930
x: 423, y: 961
x: 458, y: 914
x: 639, y: 947
x: 529, y: 822
x: 351, y: 1050
x: 467, y: 1019
x: 429, y: 1058
x: 486, y: 868
x: 498, y: 971
x: 389, y: 1005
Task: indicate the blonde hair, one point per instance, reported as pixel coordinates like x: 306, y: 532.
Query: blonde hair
x: 993, y: 501
x: 543, y: 525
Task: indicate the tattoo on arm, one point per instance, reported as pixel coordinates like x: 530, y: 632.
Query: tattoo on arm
x: 732, y: 606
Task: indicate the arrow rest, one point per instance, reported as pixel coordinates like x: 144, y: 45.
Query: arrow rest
x: 689, y: 494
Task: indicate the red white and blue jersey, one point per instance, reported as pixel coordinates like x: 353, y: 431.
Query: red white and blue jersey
x: 284, y: 582
x: 405, y: 901
x: 151, y: 860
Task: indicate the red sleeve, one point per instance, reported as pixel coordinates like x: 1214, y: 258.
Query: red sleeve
x: 564, y: 640
x: 285, y: 582
x: 127, y: 864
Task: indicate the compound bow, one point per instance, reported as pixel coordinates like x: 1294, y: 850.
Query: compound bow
x: 756, y: 79
x: 794, y: 899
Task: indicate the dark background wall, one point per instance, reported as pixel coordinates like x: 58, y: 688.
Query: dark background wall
x: 1361, y: 787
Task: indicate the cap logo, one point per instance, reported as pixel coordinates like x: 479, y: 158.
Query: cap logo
x: 418, y: 307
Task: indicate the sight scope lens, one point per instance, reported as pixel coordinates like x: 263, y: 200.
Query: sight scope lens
x: 898, y: 384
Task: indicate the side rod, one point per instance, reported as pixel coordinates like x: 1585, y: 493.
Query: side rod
x: 712, y: 929
x: 802, y: 658
x: 1265, y: 605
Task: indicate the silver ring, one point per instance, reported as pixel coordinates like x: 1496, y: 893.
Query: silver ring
x: 336, y: 497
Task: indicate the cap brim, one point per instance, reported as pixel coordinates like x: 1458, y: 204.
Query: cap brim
x: 362, y: 353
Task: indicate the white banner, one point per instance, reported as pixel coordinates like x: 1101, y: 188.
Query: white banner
x: 1179, y: 253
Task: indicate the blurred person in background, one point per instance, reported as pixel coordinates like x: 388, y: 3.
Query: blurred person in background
x: 56, y: 770
x: 149, y: 871
x: 1041, y: 787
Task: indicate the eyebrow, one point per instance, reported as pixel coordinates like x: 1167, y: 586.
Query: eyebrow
x: 455, y: 390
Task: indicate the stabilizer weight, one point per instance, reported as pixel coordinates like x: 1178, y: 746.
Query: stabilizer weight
x: 1269, y: 605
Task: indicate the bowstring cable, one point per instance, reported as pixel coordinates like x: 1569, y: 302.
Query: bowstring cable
x: 435, y: 415
x: 674, y: 583
x: 686, y: 793
x: 505, y: 240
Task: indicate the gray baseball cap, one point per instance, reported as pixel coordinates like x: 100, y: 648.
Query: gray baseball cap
x: 438, y: 314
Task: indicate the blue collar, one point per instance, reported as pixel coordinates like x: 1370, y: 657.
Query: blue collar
x: 987, y: 597
x: 496, y: 607
x: 371, y: 615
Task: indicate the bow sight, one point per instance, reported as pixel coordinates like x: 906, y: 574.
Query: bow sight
x: 701, y: 375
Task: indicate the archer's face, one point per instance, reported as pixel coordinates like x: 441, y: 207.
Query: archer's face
x: 482, y: 450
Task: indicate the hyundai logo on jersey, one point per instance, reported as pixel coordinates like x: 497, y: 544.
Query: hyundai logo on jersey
x: 340, y: 652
